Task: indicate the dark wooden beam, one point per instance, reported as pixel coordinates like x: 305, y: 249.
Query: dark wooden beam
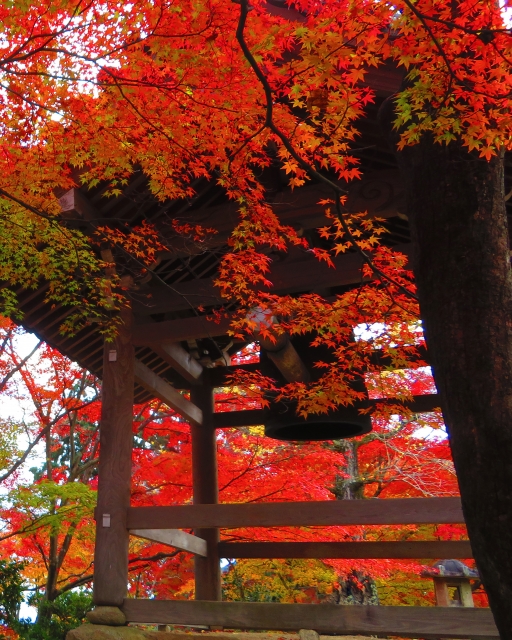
x: 156, y: 298
x: 234, y: 419
x: 163, y: 390
x: 116, y: 438
x: 192, y: 328
x: 174, y: 538
x: 380, y: 193
x: 298, y: 271
x: 219, y: 375
x: 251, y: 417
x: 400, y: 549
x: 76, y: 206
x: 299, y: 514
x: 285, y: 357
x: 180, y: 360
x: 206, y: 492
x: 413, y: 622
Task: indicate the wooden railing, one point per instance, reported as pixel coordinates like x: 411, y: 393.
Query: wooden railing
x: 400, y: 621
x: 299, y: 514
x: 413, y: 622
x: 353, y: 550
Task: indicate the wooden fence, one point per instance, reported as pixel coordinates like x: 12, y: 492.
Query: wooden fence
x: 161, y: 524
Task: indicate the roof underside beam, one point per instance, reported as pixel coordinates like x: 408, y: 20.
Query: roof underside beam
x: 180, y: 360
x: 170, y: 331
x: 299, y: 271
x: 163, y: 390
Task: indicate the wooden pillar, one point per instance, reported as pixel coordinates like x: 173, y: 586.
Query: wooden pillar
x: 206, y: 491
x: 115, y: 461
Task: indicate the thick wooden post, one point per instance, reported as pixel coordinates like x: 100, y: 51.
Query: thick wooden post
x: 116, y: 441
x: 206, y: 491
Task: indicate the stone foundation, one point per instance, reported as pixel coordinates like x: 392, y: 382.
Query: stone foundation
x: 104, y: 632
x: 109, y: 623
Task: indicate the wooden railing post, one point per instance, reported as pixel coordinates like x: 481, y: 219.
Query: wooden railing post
x: 206, y: 491
x: 116, y: 441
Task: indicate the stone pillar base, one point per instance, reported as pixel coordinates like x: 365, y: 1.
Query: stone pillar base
x: 104, y: 632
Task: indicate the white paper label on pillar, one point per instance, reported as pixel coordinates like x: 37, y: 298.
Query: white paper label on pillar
x: 106, y: 520
x: 112, y: 355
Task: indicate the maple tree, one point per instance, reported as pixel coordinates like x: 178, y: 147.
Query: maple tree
x: 95, y: 91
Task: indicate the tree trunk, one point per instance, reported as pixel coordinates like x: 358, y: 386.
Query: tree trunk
x: 461, y: 263
x: 349, y: 486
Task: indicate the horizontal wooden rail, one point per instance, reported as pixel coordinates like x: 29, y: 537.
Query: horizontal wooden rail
x: 299, y: 514
x: 410, y: 549
x: 410, y: 622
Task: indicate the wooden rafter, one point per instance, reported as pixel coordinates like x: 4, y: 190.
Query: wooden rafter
x: 178, y: 330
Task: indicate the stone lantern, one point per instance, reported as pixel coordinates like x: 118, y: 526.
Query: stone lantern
x: 452, y: 583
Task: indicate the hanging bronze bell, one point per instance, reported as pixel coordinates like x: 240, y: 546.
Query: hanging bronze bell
x: 284, y: 424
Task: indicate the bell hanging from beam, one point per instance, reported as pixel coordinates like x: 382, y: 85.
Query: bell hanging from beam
x: 283, y: 423
x: 291, y: 360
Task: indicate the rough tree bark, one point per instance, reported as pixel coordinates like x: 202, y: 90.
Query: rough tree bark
x: 461, y: 263
x: 350, y: 486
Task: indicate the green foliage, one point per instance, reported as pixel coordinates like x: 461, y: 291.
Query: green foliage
x: 35, y: 248
x: 278, y: 581
x: 58, y: 617
x: 11, y: 592
x: 9, y: 442
x: 38, y: 503
x: 406, y: 589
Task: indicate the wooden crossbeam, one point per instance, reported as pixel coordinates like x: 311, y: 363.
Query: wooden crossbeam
x: 251, y: 417
x: 180, y: 360
x: 305, y: 273
x: 286, y: 277
x: 174, y: 538
x: 218, y: 377
x: 163, y: 390
x: 412, y: 622
x: 177, y: 330
x: 248, y: 418
x: 400, y: 549
x: 299, y: 514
